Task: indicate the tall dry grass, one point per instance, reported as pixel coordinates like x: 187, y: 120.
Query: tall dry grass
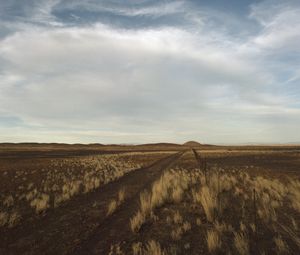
x: 241, y: 243
x: 213, y: 241
x: 169, y: 187
x: 227, y: 200
x: 61, y: 181
x: 114, y: 204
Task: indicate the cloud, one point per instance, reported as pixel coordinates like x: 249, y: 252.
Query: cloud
x: 30, y: 11
x: 281, y: 24
x: 143, y: 8
x: 80, y: 82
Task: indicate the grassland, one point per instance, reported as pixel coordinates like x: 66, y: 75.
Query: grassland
x: 150, y: 199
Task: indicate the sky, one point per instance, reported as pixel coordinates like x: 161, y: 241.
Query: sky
x: 93, y: 71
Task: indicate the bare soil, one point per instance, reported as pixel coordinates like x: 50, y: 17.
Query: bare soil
x: 81, y: 225
x: 72, y: 225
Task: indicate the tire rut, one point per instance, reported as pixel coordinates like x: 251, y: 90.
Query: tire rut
x: 70, y: 225
x: 116, y: 227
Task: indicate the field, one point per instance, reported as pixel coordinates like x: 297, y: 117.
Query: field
x: 149, y: 199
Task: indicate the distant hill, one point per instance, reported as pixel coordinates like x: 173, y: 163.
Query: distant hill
x: 192, y: 144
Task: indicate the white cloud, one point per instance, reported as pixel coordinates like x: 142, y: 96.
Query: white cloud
x: 79, y: 83
x: 158, y: 9
x: 281, y: 25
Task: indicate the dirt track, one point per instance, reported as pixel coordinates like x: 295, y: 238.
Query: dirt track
x: 81, y: 225
x: 116, y: 228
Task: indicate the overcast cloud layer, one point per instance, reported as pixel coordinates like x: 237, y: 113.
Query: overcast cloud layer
x: 148, y: 71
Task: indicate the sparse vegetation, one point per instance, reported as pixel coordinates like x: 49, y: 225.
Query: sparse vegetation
x: 208, y: 200
x: 137, y: 221
x: 40, y: 203
x: 224, y: 207
x: 64, y: 179
x: 113, y: 205
x: 162, y: 191
x: 153, y: 248
x: 281, y: 246
x: 241, y: 243
x: 226, y: 199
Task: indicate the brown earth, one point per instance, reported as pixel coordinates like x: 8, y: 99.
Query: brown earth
x: 73, y: 224
x: 81, y: 225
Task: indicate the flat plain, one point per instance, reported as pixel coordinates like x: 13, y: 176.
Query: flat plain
x: 149, y: 199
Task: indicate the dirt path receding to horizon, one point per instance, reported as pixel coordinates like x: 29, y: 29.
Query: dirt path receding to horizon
x: 116, y: 228
x: 82, y: 226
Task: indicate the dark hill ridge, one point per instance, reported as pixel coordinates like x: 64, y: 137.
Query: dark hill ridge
x: 160, y: 144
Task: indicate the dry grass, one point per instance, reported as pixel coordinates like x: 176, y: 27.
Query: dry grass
x: 177, y: 218
x: 10, y: 219
x: 241, y: 243
x: 115, y: 249
x: 4, y: 217
x: 137, y: 221
x: 146, y: 202
x: 281, y: 247
x: 294, y: 194
x: 137, y: 248
x: 198, y: 222
x: 153, y: 248
x: 213, y: 241
x: 216, y: 196
x: 186, y: 226
x: 114, y: 204
x: 294, y: 224
x: 166, y: 188
x: 61, y: 180
x: 177, y: 194
x: 176, y: 233
x: 121, y: 196
x: 8, y: 201
x: 180, y: 226
x: 221, y: 227
x: 40, y: 203
x: 231, y: 186
x: 220, y: 205
x: 208, y: 199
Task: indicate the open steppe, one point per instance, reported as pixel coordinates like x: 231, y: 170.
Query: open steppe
x: 149, y: 199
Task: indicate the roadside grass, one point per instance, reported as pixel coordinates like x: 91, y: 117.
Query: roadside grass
x: 115, y: 203
x: 234, y: 208
x: 213, y: 241
x: 63, y: 179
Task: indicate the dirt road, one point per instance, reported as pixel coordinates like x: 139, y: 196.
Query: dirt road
x: 116, y: 228
x: 81, y: 226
